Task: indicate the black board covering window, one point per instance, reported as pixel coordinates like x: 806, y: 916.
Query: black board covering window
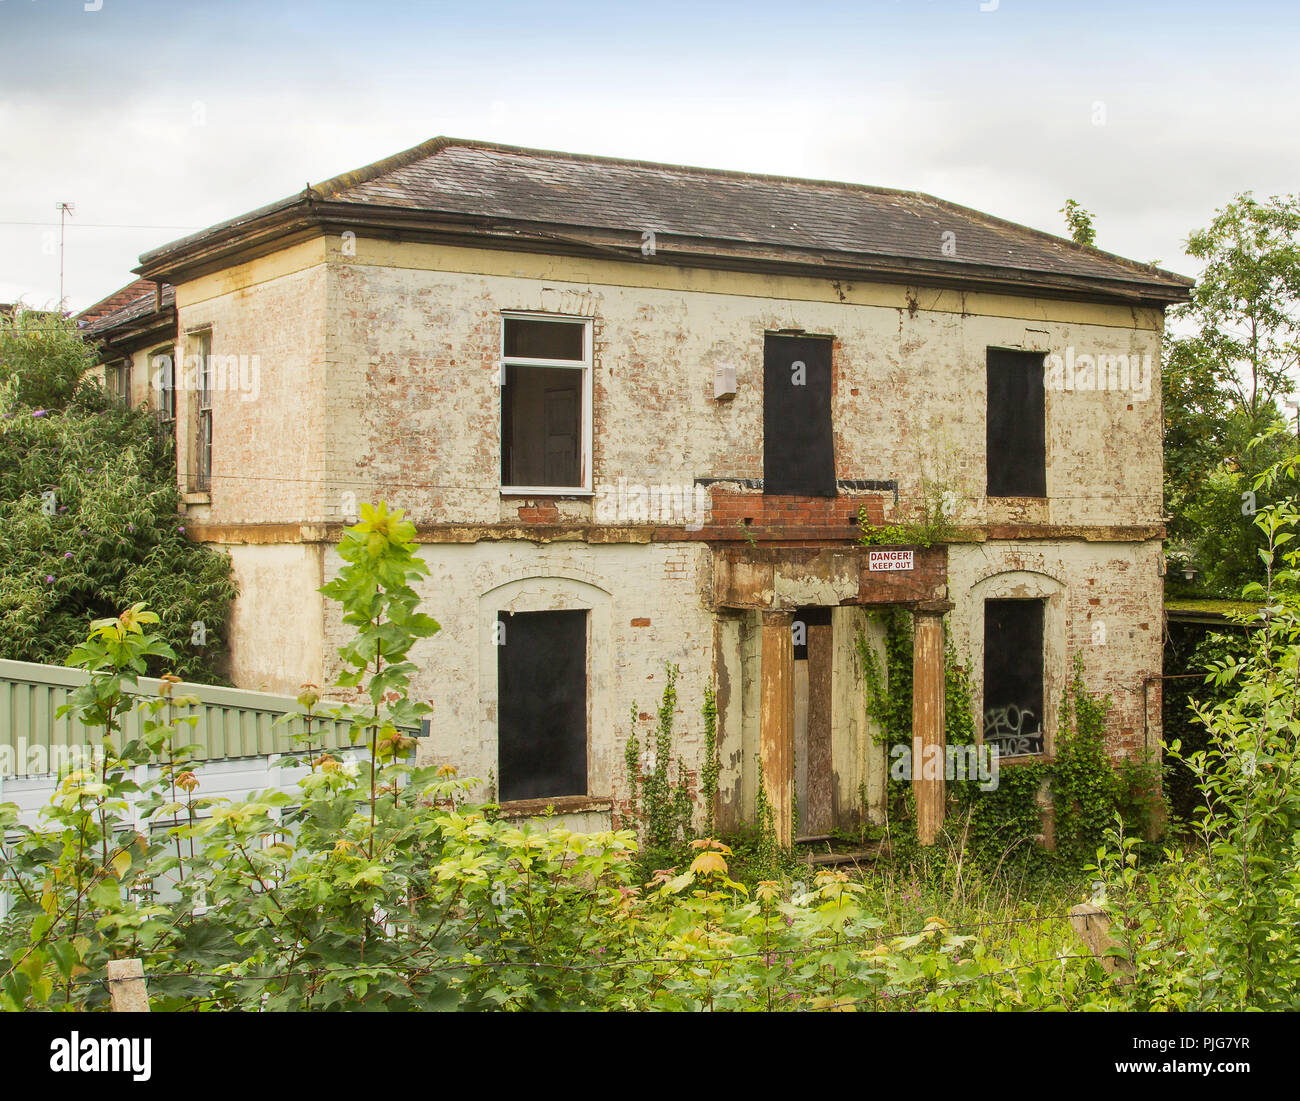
x: 798, y: 444
x: 541, y: 704
x: 1016, y: 434
x: 1013, y: 675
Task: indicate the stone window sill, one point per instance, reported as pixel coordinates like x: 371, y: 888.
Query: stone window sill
x: 547, y: 494
x: 563, y: 804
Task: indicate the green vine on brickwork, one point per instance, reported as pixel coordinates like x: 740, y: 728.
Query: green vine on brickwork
x: 712, y: 767
x: 1087, y: 788
x: 663, y: 816
x: 768, y: 856
x: 632, y: 763
x: 934, y: 525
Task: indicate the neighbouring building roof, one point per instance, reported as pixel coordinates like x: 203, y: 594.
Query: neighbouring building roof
x: 470, y: 192
x: 136, y: 311
x: 115, y: 301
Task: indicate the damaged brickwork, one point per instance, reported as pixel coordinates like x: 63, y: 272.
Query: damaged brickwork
x: 381, y: 378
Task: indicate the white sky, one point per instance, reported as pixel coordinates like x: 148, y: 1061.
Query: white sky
x: 167, y: 117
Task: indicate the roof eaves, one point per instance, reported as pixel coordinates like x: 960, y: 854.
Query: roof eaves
x: 1086, y: 250
x: 137, y: 318
x: 154, y: 261
x: 316, y: 207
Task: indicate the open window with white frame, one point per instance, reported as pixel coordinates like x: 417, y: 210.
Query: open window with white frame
x: 117, y: 377
x: 162, y: 380
x: 546, y: 387
x: 198, y: 360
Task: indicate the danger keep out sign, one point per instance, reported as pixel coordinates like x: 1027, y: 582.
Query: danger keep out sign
x: 878, y: 560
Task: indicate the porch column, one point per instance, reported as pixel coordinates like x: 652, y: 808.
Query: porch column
x: 928, y: 766
x: 776, y: 720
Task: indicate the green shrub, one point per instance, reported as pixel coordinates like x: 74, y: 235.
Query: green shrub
x: 89, y: 519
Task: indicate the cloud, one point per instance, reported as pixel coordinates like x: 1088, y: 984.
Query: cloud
x: 182, y: 115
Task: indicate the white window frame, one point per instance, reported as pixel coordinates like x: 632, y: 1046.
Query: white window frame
x: 585, y: 366
x: 162, y: 392
x: 118, y: 376
x: 198, y: 401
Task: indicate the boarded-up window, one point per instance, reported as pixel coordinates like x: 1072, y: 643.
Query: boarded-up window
x: 1016, y: 437
x: 798, y: 444
x: 542, y: 704
x: 1013, y: 675
x: 545, y: 380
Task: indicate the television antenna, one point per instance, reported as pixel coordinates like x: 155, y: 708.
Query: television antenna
x: 66, y: 210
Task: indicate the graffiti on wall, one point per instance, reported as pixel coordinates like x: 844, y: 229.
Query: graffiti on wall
x: 1013, y: 729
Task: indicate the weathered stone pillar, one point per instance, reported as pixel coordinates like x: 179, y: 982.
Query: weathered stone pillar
x: 776, y: 720
x: 817, y: 815
x: 928, y: 738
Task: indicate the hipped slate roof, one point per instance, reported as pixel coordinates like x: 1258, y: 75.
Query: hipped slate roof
x: 468, y: 192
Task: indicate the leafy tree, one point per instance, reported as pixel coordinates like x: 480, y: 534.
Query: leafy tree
x: 89, y: 517
x: 1237, y: 342
x: 1244, y: 308
x: 45, y: 357
x: 1080, y: 223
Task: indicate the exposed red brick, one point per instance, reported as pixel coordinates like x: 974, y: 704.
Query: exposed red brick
x: 544, y: 512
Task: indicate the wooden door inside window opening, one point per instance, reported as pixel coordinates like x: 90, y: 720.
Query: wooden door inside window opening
x: 813, y: 765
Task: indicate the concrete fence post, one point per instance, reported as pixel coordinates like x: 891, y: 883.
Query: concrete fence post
x: 126, y: 986
x: 1093, y: 928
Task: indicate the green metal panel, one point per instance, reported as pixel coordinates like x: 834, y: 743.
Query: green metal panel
x: 231, y: 722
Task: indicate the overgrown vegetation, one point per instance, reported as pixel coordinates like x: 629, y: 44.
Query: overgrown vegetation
x: 933, y: 523
x: 1006, y: 823
x: 88, y: 512
x: 376, y: 886
x: 661, y: 807
x: 1229, y: 356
